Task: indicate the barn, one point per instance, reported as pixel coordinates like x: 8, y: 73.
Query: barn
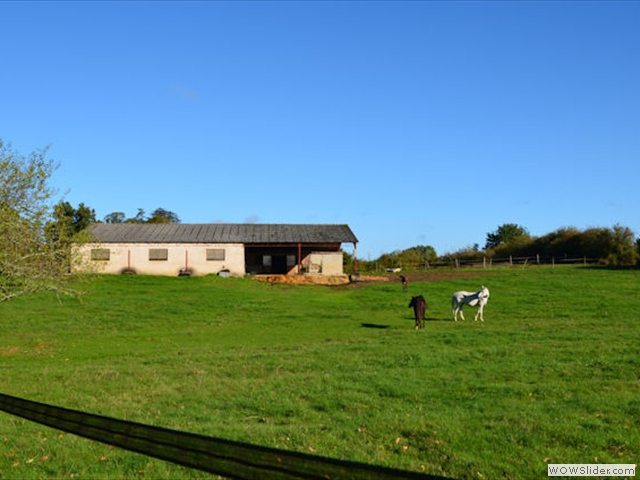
x: 215, y: 248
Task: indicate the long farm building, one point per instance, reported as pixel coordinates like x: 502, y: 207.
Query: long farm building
x: 215, y: 248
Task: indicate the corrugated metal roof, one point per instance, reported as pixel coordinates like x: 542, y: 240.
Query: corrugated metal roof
x: 221, y: 233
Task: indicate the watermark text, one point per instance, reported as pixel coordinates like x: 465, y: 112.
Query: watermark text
x: 591, y: 470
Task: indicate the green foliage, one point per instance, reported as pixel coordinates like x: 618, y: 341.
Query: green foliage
x: 550, y: 377
x: 67, y: 222
x: 159, y: 215
x: 467, y: 253
x: 622, y: 251
x: 24, y: 182
x: 31, y: 259
x: 419, y: 255
x: 139, y: 218
x: 115, y: 217
x: 611, y: 246
x: 507, y: 233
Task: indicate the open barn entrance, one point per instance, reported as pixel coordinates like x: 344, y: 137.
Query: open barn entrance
x: 279, y: 260
x: 288, y: 259
x: 279, y: 264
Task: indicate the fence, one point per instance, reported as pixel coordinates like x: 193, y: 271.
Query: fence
x: 479, y: 262
x: 223, y: 457
x: 489, y: 262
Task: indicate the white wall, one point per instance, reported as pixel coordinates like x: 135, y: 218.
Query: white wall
x: 179, y: 256
x: 326, y: 263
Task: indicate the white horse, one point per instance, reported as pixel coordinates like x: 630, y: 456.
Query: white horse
x: 460, y: 299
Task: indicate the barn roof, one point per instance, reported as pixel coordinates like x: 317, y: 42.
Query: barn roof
x: 221, y: 233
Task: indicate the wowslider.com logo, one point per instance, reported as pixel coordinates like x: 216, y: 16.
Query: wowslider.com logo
x: 591, y: 470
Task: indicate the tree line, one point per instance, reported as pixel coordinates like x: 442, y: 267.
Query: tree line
x: 615, y: 246
x: 65, y: 217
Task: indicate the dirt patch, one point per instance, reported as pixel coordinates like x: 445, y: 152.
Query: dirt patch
x: 8, y: 351
x: 44, y: 348
x: 310, y: 279
x: 435, y: 276
x: 364, y: 280
x: 342, y: 280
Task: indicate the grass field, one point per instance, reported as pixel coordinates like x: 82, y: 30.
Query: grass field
x: 552, y: 376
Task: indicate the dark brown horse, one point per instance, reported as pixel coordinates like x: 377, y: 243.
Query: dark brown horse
x: 419, y: 305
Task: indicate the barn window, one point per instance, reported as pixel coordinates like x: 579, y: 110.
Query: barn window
x: 215, y: 254
x: 158, y: 254
x: 100, y: 254
x: 266, y: 260
x: 291, y: 260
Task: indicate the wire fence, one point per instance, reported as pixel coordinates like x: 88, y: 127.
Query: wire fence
x: 488, y: 262
x: 478, y: 262
x: 218, y: 456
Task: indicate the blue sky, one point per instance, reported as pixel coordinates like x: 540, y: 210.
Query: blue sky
x: 416, y: 123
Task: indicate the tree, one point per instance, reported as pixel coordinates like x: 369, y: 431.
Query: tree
x: 160, y: 215
x: 505, y: 234
x: 115, y: 217
x: 419, y: 255
x: 68, y: 222
x: 622, y: 247
x: 611, y: 246
x: 595, y: 242
x: 29, y: 261
x: 139, y: 218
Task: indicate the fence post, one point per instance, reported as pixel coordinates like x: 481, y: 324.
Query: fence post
x: 511, y: 260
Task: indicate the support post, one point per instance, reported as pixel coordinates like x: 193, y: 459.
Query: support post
x: 355, y: 258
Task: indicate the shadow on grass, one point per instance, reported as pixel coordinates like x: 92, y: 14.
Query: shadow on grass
x: 432, y: 319
x: 374, y: 325
x: 612, y: 267
x: 382, y: 327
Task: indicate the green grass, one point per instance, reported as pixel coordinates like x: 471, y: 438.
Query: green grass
x: 552, y: 376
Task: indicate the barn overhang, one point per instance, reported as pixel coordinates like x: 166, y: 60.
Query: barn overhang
x: 284, y: 258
